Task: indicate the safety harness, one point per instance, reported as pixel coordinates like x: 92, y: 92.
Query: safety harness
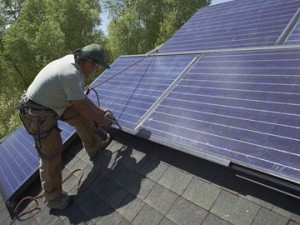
x: 39, y: 113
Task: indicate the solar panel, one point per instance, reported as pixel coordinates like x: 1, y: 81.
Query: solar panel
x: 19, y: 161
x: 294, y: 37
x: 133, y: 92
x: 240, y: 107
x: 243, y: 107
x: 234, y: 24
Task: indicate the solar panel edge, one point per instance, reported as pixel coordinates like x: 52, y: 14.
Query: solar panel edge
x: 168, y: 67
x: 149, y: 112
x: 288, y: 29
x: 9, y: 196
x: 184, y: 148
x: 145, y: 133
x: 270, y: 40
x: 291, y: 178
x: 271, y: 173
x: 10, y: 201
x: 8, y: 135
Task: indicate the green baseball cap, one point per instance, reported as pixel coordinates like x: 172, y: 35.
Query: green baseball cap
x: 95, y: 53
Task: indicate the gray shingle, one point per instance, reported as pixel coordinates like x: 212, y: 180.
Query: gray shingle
x: 112, y: 218
x: 147, y: 216
x: 4, y: 215
x: 142, y: 191
x: 114, y: 147
x: 258, y: 194
x: 44, y: 216
x: 184, y: 212
x: 202, y: 193
x: 125, y: 222
x: 137, y: 160
x: 267, y: 217
x: 116, y: 196
x: 161, y: 199
x: 175, y: 179
x: 288, y: 207
x: 93, y: 206
x: 129, y: 194
x: 76, y: 216
x: 234, y: 209
x: 212, y: 219
x: 166, y: 221
x: 103, y: 187
x: 153, y: 169
x: 291, y: 222
x: 130, y: 207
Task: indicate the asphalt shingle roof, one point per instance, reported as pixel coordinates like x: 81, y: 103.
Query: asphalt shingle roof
x: 141, y: 182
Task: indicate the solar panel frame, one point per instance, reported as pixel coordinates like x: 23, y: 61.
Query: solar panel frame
x: 165, y: 127
x: 129, y: 98
x: 236, y: 24
x: 294, y: 37
x: 19, y: 161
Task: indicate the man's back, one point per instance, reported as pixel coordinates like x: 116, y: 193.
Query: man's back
x: 58, y: 83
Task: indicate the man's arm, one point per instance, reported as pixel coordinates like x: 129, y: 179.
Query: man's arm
x: 89, y: 110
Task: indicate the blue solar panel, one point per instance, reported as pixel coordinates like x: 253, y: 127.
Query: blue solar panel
x: 294, y: 37
x: 235, y: 24
x: 133, y: 92
x: 241, y: 107
x: 19, y: 160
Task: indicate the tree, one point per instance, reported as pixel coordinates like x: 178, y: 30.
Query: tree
x: 45, y: 30
x: 10, y: 10
x: 139, y: 26
x: 35, y: 32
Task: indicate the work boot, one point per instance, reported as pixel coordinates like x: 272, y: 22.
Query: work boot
x: 61, y: 202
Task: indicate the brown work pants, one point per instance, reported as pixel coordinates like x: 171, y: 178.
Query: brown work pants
x: 49, y: 146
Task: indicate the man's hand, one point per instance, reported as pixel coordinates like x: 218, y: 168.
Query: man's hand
x: 106, y: 123
x: 110, y: 116
x: 92, y: 112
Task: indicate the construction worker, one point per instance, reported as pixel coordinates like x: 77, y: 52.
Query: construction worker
x: 57, y: 92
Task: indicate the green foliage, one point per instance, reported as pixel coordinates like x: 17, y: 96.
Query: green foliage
x: 46, y: 30
x: 139, y: 26
x: 33, y: 33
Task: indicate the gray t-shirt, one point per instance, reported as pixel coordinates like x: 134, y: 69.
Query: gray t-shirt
x: 58, y: 83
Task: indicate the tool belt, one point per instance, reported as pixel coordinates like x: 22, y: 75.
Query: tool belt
x: 27, y: 103
x: 34, y: 116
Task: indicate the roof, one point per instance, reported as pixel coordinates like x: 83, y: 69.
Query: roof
x: 236, y: 103
x: 142, y: 182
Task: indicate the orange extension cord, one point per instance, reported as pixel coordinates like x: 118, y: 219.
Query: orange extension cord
x: 35, y: 208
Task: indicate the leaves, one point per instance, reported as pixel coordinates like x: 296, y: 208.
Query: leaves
x: 33, y: 33
x: 139, y: 26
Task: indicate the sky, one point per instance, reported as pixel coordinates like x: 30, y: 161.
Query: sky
x: 105, y: 17
x: 214, y: 2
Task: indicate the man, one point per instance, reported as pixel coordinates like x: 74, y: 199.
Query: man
x: 57, y: 92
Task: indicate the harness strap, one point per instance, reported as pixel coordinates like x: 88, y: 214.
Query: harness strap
x: 27, y: 106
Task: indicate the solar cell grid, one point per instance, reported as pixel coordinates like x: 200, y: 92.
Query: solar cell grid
x: 133, y: 92
x: 294, y: 37
x: 19, y: 160
x: 221, y: 107
x: 232, y: 25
